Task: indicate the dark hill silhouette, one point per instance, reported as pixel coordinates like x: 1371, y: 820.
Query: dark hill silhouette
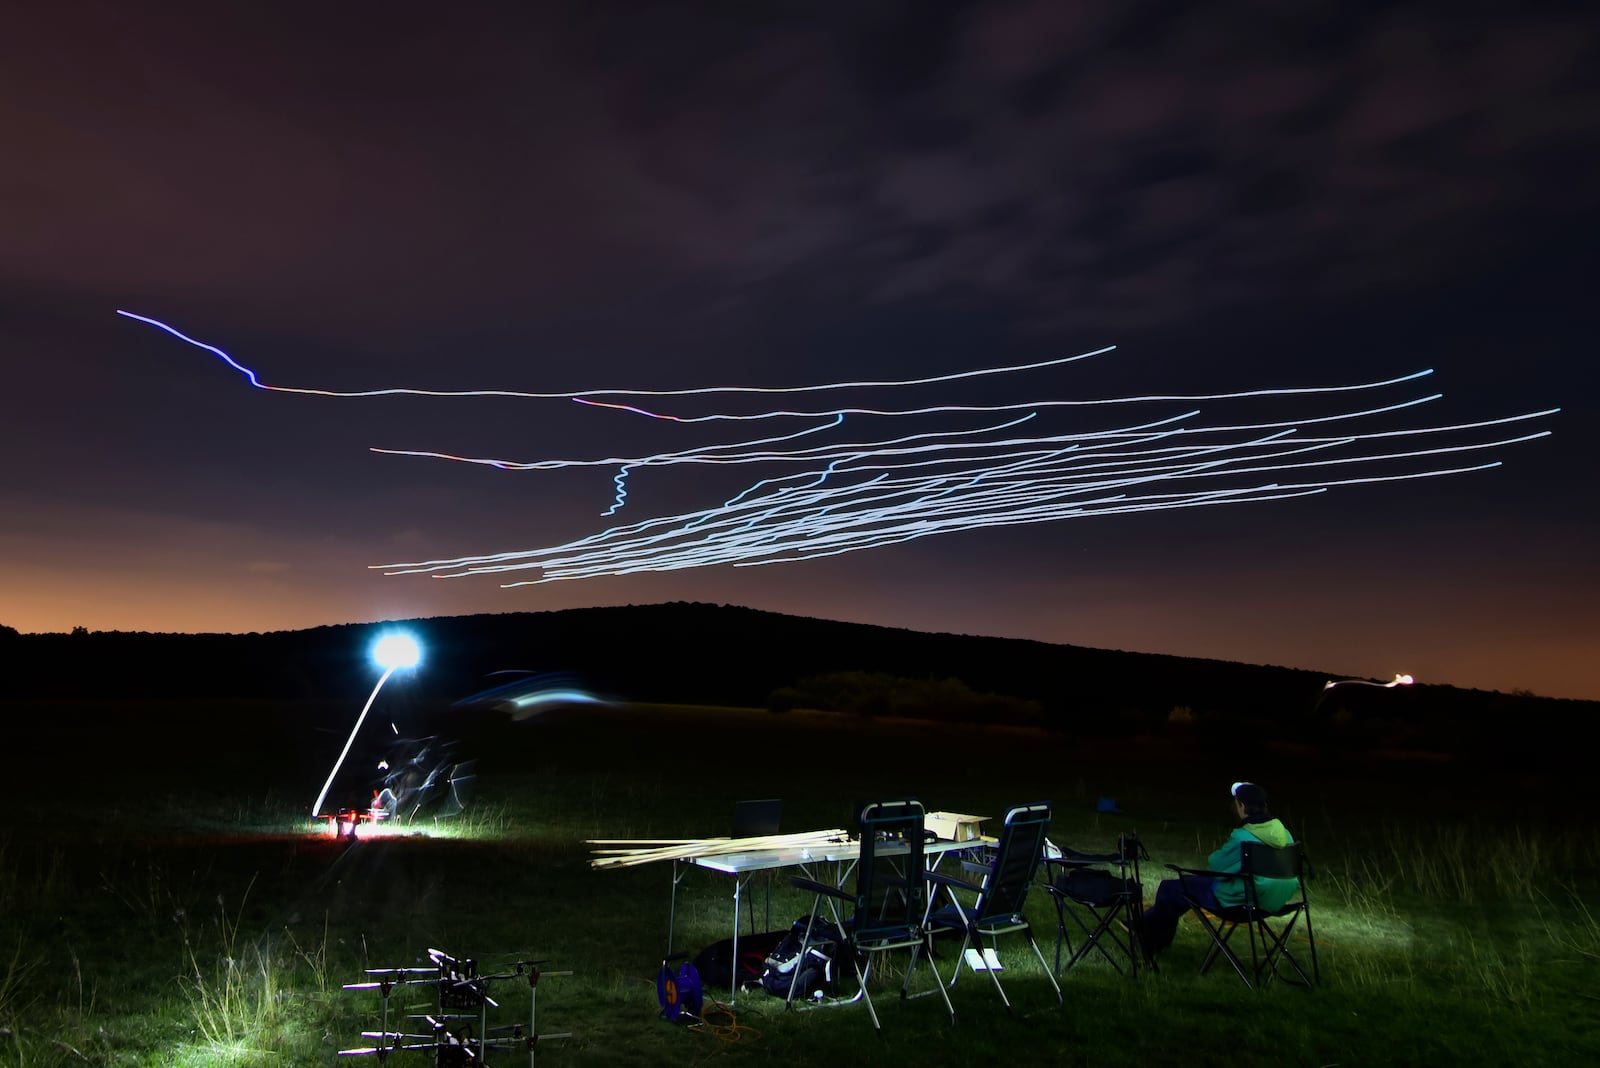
x: 723, y: 654
x: 678, y: 652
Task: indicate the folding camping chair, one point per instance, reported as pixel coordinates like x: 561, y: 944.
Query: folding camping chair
x: 889, y: 899
x: 1002, y: 891
x: 1269, y: 947
x: 1104, y: 895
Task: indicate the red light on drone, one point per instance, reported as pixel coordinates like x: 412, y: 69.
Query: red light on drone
x: 343, y: 824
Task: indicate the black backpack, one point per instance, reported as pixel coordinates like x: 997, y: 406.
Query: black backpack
x: 715, y: 963
x: 1094, y: 886
x: 817, y: 970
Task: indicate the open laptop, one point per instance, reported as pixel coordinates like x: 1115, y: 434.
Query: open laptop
x: 756, y: 819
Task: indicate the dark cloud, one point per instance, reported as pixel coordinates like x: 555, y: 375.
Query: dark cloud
x: 1073, y: 162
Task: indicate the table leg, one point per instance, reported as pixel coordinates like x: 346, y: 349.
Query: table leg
x: 678, y: 871
x: 733, y: 992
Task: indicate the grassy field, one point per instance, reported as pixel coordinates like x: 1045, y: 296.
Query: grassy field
x: 162, y: 902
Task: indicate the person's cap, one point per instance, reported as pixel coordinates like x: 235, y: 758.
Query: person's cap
x: 1249, y: 793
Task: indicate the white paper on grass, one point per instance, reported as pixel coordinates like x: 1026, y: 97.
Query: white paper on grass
x: 987, y: 961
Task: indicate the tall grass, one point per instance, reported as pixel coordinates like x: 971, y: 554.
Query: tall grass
x: 1571, y: 926
x: 168, y: 938
x: 16, y: 974
x: 230, y: 988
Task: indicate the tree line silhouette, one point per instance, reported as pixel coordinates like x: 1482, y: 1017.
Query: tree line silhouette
x: 692, y: 653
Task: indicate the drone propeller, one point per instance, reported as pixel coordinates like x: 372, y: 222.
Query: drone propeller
x: 423, y: 1043
x: 477, y: 990
x: 380, y: 984
x: 401, y: 1041
x: 515, y: 1029
x: 400, y: 971
x: 397, y: 1040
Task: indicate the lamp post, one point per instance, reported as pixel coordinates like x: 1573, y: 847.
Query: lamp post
x: 393, y: 651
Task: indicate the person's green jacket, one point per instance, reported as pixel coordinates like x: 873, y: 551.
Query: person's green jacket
x: 1271, y: 894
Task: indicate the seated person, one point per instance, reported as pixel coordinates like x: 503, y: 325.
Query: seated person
x: 1256, y: 824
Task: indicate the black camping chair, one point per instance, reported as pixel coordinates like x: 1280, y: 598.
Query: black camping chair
x: 1104, y: 895
x: 1002, y: 891
x: 1269, y: 946
x: 889, y: 900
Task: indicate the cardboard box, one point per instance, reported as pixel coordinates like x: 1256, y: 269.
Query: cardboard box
x: 955, y: 826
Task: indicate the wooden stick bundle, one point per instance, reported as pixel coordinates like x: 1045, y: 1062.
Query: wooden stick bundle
x: 647, y: 850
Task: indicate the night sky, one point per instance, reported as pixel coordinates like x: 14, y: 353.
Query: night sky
x: 553, y: 198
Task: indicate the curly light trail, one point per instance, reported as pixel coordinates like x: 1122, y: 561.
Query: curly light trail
x: 791, y: 526
x: 948, y: 475
x: 621, y: 479
x: 1034, y: 485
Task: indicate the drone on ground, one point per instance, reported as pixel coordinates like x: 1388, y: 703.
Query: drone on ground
x: 420, y: 779
x: 457, y: 1033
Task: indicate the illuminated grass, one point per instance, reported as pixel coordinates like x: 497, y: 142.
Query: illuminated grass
x: 209, y: 929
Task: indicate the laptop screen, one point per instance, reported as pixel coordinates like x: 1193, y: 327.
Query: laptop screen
x: 756, y: 819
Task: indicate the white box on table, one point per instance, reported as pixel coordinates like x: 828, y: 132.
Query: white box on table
x: 955, y: 826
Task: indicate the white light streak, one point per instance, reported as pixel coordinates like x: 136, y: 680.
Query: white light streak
x: 316, y: 809
x: 393, y: 651
x: 956, y: 467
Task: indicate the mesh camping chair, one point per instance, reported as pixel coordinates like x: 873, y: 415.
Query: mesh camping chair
x: 1103, y: 894
x: 1002, y: 891
x: 1269, y: 946
x: 888, y: 902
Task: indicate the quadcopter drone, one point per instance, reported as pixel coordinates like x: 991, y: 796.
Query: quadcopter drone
x: 420, y: 778
x: 458, y: 1032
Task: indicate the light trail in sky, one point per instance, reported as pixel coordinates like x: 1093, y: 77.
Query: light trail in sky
x: 621, y: 480
x: 579, y: 395
x: 956, y: 467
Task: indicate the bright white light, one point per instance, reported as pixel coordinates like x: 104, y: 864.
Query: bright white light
x: 1400, y: 679
x: 396, y: 651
